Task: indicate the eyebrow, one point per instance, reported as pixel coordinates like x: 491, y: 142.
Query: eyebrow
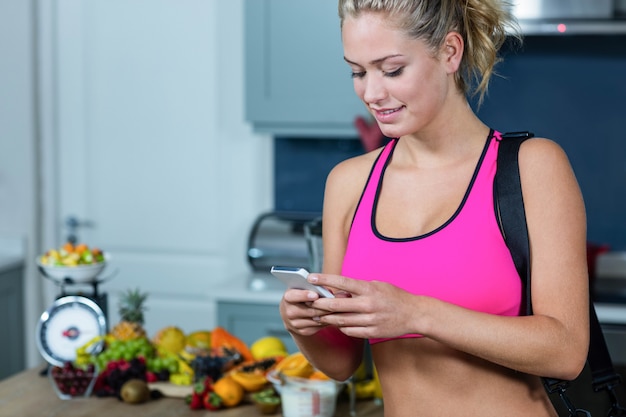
x: 374, y: 62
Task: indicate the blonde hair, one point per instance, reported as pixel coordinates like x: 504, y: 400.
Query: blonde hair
x: 483, y: 24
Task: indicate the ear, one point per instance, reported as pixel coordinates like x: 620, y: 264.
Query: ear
x: 452, y: 51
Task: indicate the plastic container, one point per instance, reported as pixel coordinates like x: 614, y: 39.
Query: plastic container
x: 302, y: 397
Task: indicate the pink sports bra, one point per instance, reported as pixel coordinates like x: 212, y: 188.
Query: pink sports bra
x: 465, y: 261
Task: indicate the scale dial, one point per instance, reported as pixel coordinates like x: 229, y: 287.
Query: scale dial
x: 68, y: 324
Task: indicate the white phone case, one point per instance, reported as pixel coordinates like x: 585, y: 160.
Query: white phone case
x: 295, y: 277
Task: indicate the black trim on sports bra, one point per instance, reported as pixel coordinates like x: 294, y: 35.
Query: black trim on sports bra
x: 456, y: 213
x: 393, y: 142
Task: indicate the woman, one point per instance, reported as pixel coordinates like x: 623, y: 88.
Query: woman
x: 412, y: 247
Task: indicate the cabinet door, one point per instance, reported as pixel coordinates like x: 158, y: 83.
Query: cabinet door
x: 250, y: 322
x: 148, y: 154
x: 297, y: 82
x: 12, y: 358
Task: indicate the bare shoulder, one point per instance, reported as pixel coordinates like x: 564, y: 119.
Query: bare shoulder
x: 543, y: 159
x: 344, y: 186
x: 345, y: 183
x: 352, y: 173
x: 548, y: 181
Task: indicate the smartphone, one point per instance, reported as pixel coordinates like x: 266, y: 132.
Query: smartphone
x: 295, y: 277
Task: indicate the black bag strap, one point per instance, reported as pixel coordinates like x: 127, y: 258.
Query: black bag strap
x: 510, y: 210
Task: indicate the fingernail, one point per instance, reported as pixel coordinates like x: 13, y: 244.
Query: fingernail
x: 316, y: 318
x: 313, y: 278
x: 312, y: 295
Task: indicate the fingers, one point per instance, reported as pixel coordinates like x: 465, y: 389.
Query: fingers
x: 299, y: 313
x: 337, y: 283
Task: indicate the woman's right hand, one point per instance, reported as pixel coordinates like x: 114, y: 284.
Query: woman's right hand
x: 298, y: 311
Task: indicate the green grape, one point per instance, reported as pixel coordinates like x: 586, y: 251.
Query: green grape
x: 115, y: 344
x: 106, y: 355
x: 122, y: 349
x: 114, y: 354
x: 145, y: 351
x: 173, y: 368
x: 131, y: 345
x: 157, y: 364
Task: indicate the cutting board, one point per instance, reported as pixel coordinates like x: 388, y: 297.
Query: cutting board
x: 171, y: 390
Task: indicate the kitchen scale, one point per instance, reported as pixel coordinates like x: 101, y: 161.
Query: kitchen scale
x: 75, y: 317
x: 69, y: 323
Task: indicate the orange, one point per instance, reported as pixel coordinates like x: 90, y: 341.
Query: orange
x: 80, y: 248
x: 68, y: 247
x: 229, y: 391
x: 295, y: 365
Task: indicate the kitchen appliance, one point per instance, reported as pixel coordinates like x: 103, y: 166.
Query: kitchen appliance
x: 277, y: 239
x: 68, y: 324
x: 563, y: 9
x: 609, y: 295
x: 78, y: 314
x: 81, y: 283
x: 552, y: 17
x: 313, y: 234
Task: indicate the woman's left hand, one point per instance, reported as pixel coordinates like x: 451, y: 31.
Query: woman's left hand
x: 374, y: 309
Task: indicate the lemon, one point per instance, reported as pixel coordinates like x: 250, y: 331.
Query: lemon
x: 171, y: 339
x: 200, y: 339
x: 267, y: 347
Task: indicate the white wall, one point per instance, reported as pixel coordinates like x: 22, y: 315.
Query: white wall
x: 18, y: 144
x: 27, y: 182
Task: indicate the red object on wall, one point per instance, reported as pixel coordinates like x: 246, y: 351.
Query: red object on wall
x: 369, y: 133
x: 593, y: 251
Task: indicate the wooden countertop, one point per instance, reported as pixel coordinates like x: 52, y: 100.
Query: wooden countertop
x: 28, y: 394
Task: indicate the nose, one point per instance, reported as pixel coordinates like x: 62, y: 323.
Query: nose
x: 373, y: 89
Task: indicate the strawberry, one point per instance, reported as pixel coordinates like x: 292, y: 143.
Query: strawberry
x: 212, y: 401
x: 196, y: 401
x: 199, y: 388
x: 208, y: 384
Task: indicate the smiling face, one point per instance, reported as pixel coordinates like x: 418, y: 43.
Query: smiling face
x: 404, y: 85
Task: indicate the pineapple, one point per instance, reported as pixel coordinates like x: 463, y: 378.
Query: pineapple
x: 131, y: 308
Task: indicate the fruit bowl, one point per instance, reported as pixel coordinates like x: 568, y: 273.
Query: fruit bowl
x: 71, y: 382
x: 74, y: 274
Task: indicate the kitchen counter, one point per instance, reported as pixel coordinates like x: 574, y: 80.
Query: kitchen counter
x: 8, y: 263
x: 28, y: 394
x: 250, y: 288
x: 11, y: 254
x: 12, y: 355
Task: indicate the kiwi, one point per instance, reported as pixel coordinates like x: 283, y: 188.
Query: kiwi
x: 135, y: 391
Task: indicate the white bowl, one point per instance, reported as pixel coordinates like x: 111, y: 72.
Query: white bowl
x: 73, y: 274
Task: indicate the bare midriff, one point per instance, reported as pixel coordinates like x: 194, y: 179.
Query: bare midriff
x: 421, y: 377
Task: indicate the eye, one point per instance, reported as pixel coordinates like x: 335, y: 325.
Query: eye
x: 395, y: 73
x: 357, y: 74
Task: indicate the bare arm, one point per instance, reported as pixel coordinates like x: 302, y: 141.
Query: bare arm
x: 330, y: 350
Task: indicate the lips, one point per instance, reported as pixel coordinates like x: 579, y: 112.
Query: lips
x: 388, y: 111
x: 386, y: 115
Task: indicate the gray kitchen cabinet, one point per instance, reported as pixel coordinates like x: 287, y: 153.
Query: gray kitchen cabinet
x: 251, y: 321
x: 12, y: 359
x: 297, y: 83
